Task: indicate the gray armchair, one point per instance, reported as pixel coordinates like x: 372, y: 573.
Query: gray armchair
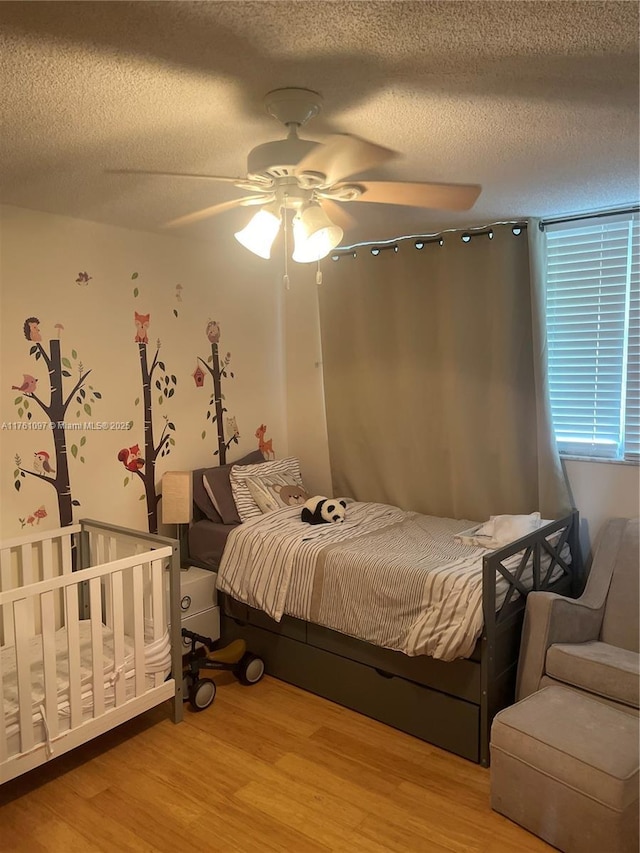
x: 590, y: 643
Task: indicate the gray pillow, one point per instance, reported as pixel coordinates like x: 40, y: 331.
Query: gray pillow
x: 211, y: 484
x: 203, y: 506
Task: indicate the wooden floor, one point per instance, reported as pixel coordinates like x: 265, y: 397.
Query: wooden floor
x: 265, y: 768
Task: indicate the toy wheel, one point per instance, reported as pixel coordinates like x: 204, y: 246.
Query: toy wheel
x: 202, y: 693
x: 250, y: 669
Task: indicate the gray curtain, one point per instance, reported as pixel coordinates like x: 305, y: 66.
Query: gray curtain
x: 553, y: 489
x: 435, y: 398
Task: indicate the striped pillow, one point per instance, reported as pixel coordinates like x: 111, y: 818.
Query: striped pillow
x: 245, y: 504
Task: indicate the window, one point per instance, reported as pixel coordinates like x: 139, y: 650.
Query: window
x: 593, y: 320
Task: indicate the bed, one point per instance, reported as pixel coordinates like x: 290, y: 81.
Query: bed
x: 85, y: 642
x: 289, y: 590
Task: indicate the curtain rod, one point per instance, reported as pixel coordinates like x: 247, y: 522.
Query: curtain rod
x: 477, y: 230
x: 621, y: 210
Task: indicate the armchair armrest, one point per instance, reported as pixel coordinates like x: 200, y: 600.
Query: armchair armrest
x: 549, y: 619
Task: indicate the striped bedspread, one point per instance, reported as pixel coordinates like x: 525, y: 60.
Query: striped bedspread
x: 396, y: 579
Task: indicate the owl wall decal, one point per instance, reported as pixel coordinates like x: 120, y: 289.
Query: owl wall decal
x: 213, y: 331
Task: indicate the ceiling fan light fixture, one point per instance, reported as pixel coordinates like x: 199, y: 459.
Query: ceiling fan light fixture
x: 260, y: 232
x: 314, y: 235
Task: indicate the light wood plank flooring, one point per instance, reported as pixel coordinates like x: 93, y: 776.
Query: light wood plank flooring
x: 265, y: 768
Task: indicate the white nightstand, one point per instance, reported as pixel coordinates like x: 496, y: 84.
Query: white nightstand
x: 198, y: 603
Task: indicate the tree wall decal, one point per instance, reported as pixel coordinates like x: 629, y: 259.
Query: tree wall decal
x: 216, y: 409
x: 143, y: 465
x: 54, y: 470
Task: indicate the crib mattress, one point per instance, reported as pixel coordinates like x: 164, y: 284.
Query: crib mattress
x: 157, y: 660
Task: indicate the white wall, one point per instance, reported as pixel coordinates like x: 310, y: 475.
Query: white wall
x: 41, y: 257
x: 602, y: 490
x: 306, y: 420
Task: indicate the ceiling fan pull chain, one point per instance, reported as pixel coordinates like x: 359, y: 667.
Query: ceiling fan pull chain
x: 319, y: 275
x: 285, y: 278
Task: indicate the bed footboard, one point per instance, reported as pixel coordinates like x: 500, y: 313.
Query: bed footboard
x: 83, y: 637
x: 547, y: 559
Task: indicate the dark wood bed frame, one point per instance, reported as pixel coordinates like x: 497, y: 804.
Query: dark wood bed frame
x: 448, y: 704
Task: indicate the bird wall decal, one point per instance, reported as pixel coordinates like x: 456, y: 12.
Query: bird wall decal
x: 28, y: 385
x: 41, y: 464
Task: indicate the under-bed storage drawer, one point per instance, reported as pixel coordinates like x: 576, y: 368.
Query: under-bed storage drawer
x: 460, y: 678
x: 433, y: 716
x: 293, y: 628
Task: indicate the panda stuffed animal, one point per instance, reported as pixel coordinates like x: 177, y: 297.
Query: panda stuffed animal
x: 321, y: 510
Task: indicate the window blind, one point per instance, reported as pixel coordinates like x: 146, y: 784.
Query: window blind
x: 592, y: 311
x: 632, y: 410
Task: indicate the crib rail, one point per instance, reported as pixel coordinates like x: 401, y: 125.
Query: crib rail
x: 64, y: 687
x: 98, y: 542
x: 24, y: 560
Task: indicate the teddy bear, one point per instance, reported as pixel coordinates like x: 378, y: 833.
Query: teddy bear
x: 290, y: 495
x: 321, y: 510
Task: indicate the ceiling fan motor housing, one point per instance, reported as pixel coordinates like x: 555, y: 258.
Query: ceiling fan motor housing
x: 293, y: 105
x: 278, y: 159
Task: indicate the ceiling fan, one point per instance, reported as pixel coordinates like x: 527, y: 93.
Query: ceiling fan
x: 308, y: 178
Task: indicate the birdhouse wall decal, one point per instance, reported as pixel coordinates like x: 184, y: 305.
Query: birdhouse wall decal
x: 198, y: 376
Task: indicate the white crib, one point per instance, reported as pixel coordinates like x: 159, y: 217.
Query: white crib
x: 84, y: 637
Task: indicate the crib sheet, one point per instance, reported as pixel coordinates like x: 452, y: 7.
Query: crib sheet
x: 157, y: 660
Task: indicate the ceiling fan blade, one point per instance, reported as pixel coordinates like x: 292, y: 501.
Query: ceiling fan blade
x: 435, y: 196
x: 337, y: 214
x: 222, y: 178
x: 344, y: 155
x: 215, y: 209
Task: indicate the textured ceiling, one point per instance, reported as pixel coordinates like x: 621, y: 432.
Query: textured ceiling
x: 535, y: 101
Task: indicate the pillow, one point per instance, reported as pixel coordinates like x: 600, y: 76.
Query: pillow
x: 275, y: 491
x: 501, y: 530
x: 212, y: 489
x: 201, y: 500
x: 245, y: 504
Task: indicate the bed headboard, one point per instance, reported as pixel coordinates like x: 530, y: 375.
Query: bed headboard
x: 219, y: 481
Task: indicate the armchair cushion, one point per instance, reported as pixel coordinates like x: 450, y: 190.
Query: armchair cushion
x: 597, y: 667
x: 549, y: 619
x: 605, y: 616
